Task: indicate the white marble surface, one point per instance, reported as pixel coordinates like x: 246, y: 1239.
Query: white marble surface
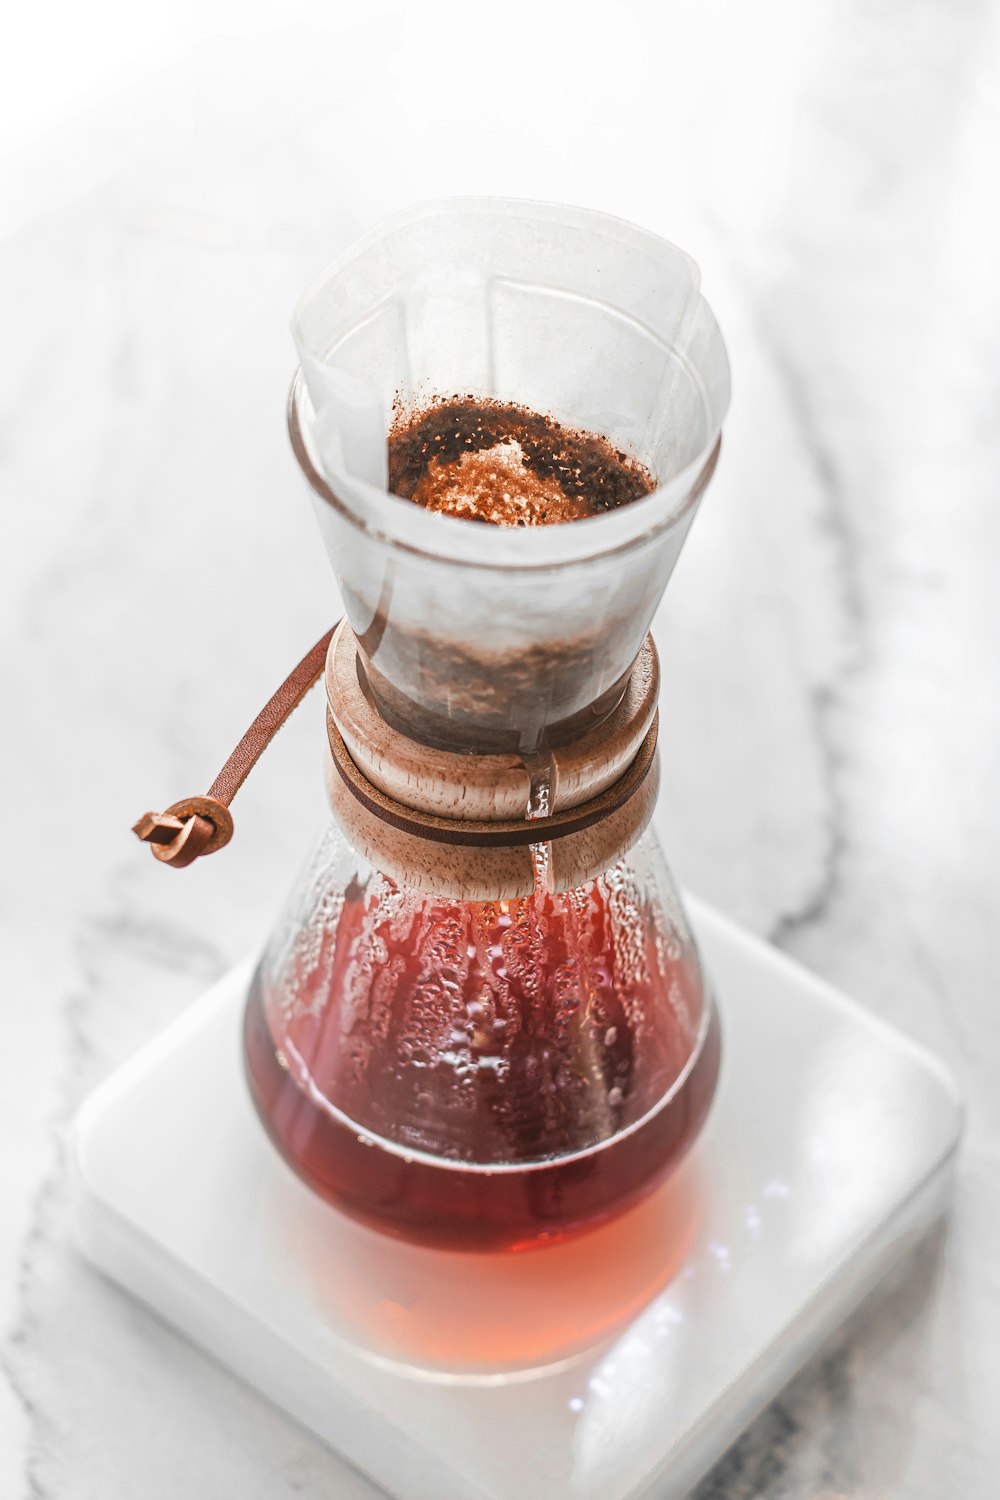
x: 830, y: 641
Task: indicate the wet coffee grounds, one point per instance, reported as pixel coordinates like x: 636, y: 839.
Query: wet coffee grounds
x: 505, y: 465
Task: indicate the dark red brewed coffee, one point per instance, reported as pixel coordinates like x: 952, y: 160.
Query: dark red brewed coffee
x: 496, y: 1066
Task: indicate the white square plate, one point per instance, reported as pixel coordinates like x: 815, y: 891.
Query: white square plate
x: 622, y: 1364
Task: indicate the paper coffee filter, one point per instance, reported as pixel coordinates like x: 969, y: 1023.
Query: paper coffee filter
x: 569, y: 312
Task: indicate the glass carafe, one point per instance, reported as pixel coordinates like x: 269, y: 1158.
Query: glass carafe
x: 475, y: 1049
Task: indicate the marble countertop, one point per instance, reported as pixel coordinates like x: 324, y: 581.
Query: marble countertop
x: 830, y: 642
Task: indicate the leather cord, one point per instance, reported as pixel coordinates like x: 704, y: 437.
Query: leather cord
x: 200, y: 825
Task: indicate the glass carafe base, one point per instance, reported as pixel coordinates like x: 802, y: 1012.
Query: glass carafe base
x: 471, y: 1206
x: 482, y: 1075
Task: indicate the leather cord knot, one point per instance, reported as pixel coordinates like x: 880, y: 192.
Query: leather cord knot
x: 194, y: 826
x: 200, y: 825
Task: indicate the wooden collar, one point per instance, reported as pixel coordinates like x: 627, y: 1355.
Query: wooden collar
x: 471, y: 857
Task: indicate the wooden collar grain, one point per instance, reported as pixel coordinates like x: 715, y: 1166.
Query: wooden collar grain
x: 507, y: 834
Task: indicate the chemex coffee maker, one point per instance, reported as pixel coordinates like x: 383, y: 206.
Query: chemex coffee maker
x: 482, y: 1035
